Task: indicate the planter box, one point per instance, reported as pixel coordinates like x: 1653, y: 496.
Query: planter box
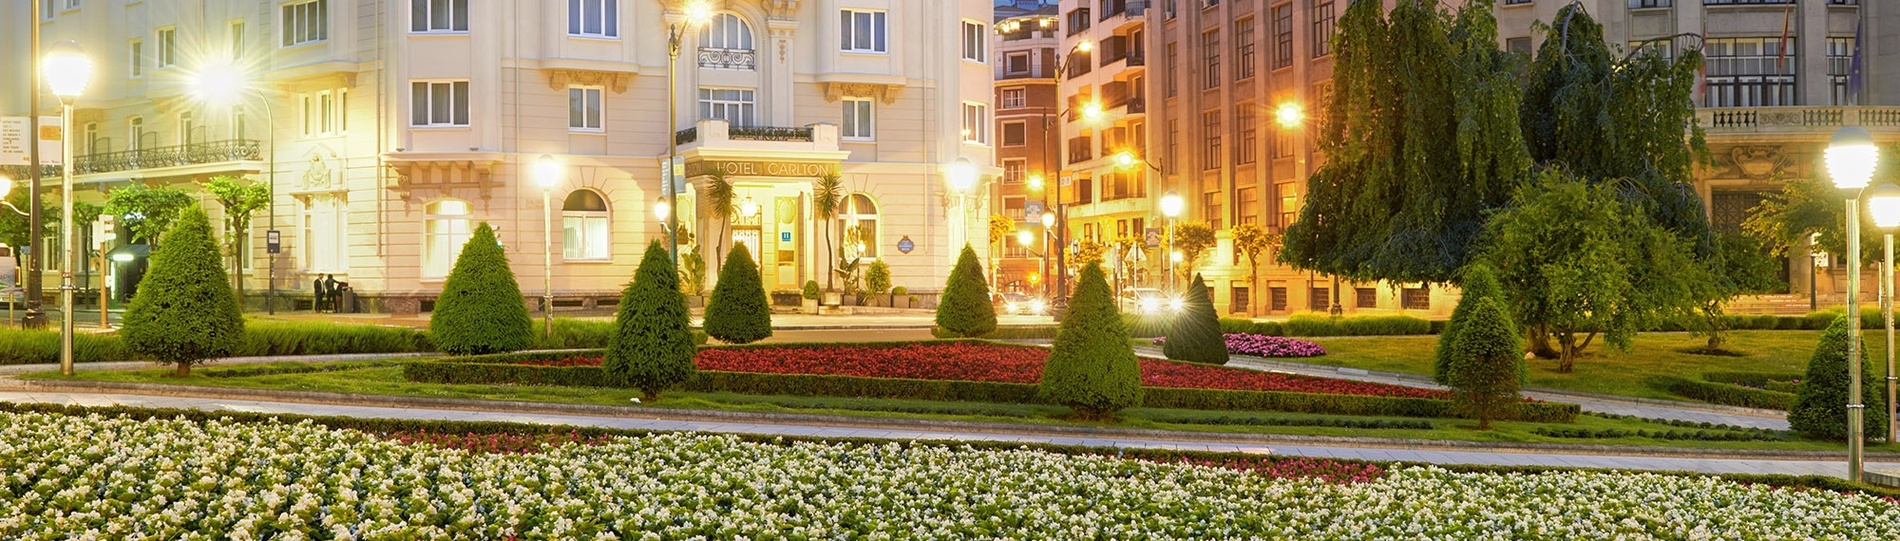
x: 808, y: 306
x: 833, y: 298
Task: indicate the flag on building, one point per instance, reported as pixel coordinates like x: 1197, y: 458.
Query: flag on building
x: 1854, y: 67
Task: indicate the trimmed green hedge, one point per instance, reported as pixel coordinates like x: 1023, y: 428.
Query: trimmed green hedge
x: 276, y: 338
x: 1724, y: 393
x: 497, y: 369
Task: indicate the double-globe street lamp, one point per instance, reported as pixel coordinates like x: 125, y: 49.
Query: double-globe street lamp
x: 225, y: 82
x: 1851, y: 157
x: 547, y: 172
x: 67, y: 71
x: 1171, y: 207
x: 961, y: 179
x: 696, y: 13
x: 1884, y: 204
x: 1091, y: 112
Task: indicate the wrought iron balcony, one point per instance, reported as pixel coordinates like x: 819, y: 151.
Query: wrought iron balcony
x: 229, y: 150
x: 730, y: 59
x: 768, y: 133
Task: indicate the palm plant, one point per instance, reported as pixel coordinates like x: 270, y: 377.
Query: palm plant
x: 827, y: 194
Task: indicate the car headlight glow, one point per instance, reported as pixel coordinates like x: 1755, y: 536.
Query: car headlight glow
x: 1174, y: 304
x: 1009, y: 307
x: 1150, y: 305
x: 1036, y: 306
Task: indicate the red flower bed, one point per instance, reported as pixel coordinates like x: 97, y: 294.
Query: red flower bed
x: 1002, y: 364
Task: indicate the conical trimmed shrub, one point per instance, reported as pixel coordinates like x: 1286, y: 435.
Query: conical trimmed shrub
x: 965, y: 308
x: 1194, y: 333
x: 1092, y: 367
x: 739, y: 312
x: 652, y: 346
x: 481, y: 309
x: 1486, y: 363
x: 185, y: 312
x: 1478, y: 283
x: 1820, y: 402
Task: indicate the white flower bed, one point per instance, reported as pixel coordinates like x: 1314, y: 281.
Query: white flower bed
x: 98, y: 478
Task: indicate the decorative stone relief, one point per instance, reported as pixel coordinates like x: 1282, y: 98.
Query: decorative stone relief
x: 782, y: 9
x: 317, y: 177
x: 835, y: 91
x: 1754, y: 162
x: 560, y: 78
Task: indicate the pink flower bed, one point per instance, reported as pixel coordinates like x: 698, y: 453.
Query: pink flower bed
x: 1260, y: 345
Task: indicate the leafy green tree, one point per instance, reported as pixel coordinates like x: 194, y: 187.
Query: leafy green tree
x: 1810, y: 208
x: 1579, y: 261
x: 1087, y: 252
x: 1252, y: 240
x: 1487, y: 363
x: 1820, y: 402
x: 965, y: 308
x: 146, y: 212
x: 827, y: 198
x: 1194, y: 334
x: 1479, y: 282
x: 241, y: 200
x: 652, y: 347
x: 1092, y: 367
x: 184, y: 313
x: 1421, y: 138
x: 1193, y: 239
x: 1741, y: 266
x: 738, y: 312
x: 877, y: 280
x: 481, y: 309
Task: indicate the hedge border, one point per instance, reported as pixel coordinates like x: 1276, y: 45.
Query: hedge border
x: 375, y: 426
x: 1723, y: 387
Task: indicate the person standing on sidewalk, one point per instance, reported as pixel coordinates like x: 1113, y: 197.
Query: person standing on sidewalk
x: 317, y: 306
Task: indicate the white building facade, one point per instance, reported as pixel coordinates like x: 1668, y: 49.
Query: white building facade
x: 393, y: 127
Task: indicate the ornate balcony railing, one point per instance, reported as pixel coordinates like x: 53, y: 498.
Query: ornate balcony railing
x: 731, y: 59
x: 229, y: 150
x: 1719, y: 120
x: 768, y: 133
x: 685, y: 136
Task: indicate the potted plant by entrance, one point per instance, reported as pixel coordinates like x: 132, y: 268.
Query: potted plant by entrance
x: 900, y: 297
x: 809, y: 303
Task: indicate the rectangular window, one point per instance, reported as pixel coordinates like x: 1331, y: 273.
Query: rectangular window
x: 1015, y: 98
x: 135, y: 133
x: 737, y: 107
x: 976, y: 123
x: 1210, y: 138
x: 1243, y: 49
x: 1239, y: 296
x: 438, y: 15
x: 1320, y: 298
x: 72, y: 4
x: 1518, y: 45
x: 1016, y: 64
x: 1289, y: 205
x: 584, y: 108
x: 1282, y: 36
x: 859, y: 119
x: 976, y: 42
x: 137, y: 58
x: 1322, y: 27
x: 1840, y: 63
x: 237, y: 39
x: 1749, y: 72
x: 438, y: 103
x: 305, y: 22
x: 1416, y: 298
x: 1210, y: 57
x: 1244, y: 151
x: 1280, y: 143
x: 593, y: 18
x: 342, y: 110
x: 1014, y: 171
x: 1015, y: 134
x: 1247, y: 205
x: 306, y: 111
x: 1174, y: 144
x: 1173, y: 56
x: 1276, y: 299
x: 1365, y: 297
x: 1210, y: 209
x: 167, y: 47
x: 1641, y: 4
x: 325, y: 228
x: 186, y: 126
x: 861, y: 31
x: 239, y: 131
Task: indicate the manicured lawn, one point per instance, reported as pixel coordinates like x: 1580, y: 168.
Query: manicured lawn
x: 1605, y: 370
x: 387, y: 380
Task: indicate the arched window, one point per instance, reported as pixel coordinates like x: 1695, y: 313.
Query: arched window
x: 446, y: 229
x: 727, y: 31
x: 857, y: 218
x: 584, y: 231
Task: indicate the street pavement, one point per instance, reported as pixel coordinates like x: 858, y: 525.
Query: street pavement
x: 656, y: 420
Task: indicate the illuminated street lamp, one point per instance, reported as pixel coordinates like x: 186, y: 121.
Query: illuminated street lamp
x: 1289, y: 115
x: 1092, y: 111
x: 547, y: 172
x: 1035, y: 182
x: 67, y: 71
x: 1851, y: 157
x: 662, y: 210
x: 1024, y: 238
x: 961, y: 178
x: 225, y: 83
x: 1171, y: 207
x: 1884, y: 205
x: 696, y: 13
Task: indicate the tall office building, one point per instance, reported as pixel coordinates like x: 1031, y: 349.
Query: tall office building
x: 389, y: 128
x: 1027, y: 135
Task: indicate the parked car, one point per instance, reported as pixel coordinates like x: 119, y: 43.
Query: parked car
x: 1018, y: 303
x: 1148, y: 301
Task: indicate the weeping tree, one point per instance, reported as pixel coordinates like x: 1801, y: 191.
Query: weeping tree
x: 1422, y: 139
x: 1618, y: 119
x: 826, y: 197
x: 241, y: 200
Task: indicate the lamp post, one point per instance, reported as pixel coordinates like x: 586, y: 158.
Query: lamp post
x: 962, y: 178
x: 67, y: 70
x: 546, y: 173
x: 1171, y: 205
x: 1851, y: 157
x: 1061, y: 215
x: 1884, y: 205
x: 223, y: 82
x: 696, y: 13
x: 1048, y: 235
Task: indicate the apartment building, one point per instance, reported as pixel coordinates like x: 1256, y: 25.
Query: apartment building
x: 389, y: 128
x: 1110, y: 174
x: 1027, y: 111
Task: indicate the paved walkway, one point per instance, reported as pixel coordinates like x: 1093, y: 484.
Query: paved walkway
x: 657, y: 420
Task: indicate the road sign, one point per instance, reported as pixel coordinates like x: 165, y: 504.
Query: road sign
x: 905, y: 245
x: 1033, y: 209
x: 1067, y: 180
x: 273, y: 242
x: 784, y: 236
x: 1152, y: 237
x: 13, y: 137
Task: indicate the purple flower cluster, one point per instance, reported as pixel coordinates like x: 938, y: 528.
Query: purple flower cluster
x: 1260, y: 345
